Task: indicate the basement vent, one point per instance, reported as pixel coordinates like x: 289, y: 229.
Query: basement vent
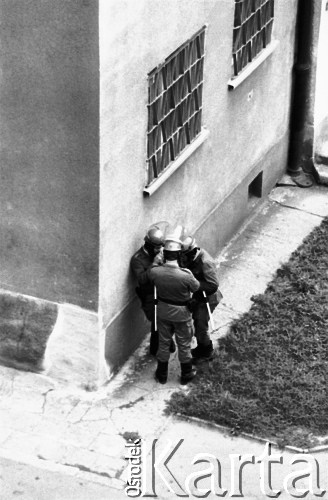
x: 255, y: 187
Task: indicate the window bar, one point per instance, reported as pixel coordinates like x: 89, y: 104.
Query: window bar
x: 179, y: 128
x: 172, y: 152
x: 198, y: 48
x: 172, y: 110
x: 179, y: 115
x: 253, y: 21
x: 164, y: 77
x: 174, y: 107
x: 187, y: 132
x: 159, y: 160
x: 196, y: 100
x: 154, y: 166
x: 173, y: 54
x: 188, y: 81
x: 173, y: 82
x: 163, y: 131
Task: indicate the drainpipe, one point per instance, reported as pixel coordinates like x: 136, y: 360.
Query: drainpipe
x: 300, y: 160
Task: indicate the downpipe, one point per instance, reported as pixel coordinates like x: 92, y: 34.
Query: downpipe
x: 300, y: 157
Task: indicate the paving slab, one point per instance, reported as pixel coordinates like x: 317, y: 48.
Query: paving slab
x: 41, y: 480
x: 313, y: 200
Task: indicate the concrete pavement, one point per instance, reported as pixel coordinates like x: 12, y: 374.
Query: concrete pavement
x: 37, y: 481
x: 84, y: 435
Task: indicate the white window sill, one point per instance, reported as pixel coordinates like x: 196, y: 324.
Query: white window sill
x: 251, y: 67
x: 149, y: 190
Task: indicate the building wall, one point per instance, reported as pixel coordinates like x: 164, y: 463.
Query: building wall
x: 49, y: 149
x: 248, y: 133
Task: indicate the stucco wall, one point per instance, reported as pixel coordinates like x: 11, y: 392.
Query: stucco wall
x: 244, y: 126
x: 49, y: 149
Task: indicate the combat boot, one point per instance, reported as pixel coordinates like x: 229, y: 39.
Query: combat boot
x: 161, y: 371
x: 187, y: 372
x: 202, y: 351
x: 197, y: 351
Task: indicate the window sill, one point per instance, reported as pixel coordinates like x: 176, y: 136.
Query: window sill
x: 251, y: 67
x: 149, y: 190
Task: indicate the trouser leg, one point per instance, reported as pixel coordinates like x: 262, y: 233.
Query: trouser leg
x: 149, y: 310
x: 201, y: 319
x: 153, y: 346
x: 183, y: 335
x: 165, y: 332
x: 204, y: 347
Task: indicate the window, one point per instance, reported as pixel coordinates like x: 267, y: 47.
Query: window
x: 175, y: 91
x: 252, y: 31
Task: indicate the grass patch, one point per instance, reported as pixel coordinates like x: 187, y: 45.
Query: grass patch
x: 271, y: 373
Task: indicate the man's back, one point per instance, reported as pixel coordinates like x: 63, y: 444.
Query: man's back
x: 174, y: 285
x: 173, y: 282
x: 204, y: 269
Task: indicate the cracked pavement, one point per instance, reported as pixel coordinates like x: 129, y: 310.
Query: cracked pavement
x: 57, y: 424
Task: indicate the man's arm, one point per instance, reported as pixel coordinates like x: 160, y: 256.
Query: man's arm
x: 210, y: 283
x: 193, y: 283
x: 139, y: 271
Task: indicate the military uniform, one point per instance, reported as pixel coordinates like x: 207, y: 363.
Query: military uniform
x: 140, y: 265
x: 174, y: 288
x: 204, y: 269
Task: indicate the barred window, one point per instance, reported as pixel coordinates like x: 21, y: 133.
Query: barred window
x: 252, y: 30
x: 175, y: 90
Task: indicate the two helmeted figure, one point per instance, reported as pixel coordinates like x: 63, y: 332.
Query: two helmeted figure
x: 178, y: 288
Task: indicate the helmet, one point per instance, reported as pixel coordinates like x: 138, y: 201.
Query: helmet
x: 188, y: 244
x: 155, y: 236
x: 173, y: 239
x: 172, y: 246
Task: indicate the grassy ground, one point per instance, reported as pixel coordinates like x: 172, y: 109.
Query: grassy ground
x: 271, y: 372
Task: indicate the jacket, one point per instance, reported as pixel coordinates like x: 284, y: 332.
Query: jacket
x: 140, y: 265
x: 174, y: 284
x: 205, y: 271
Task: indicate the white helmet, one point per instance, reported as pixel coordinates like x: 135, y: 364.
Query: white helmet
x: 173, y: 239
x: 172, y: 246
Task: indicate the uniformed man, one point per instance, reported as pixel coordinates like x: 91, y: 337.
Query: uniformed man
x: 151, y: 252
x: 174, y: 287
x: 203, y: 267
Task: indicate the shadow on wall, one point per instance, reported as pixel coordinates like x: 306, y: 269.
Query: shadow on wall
x: 124, y: 335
